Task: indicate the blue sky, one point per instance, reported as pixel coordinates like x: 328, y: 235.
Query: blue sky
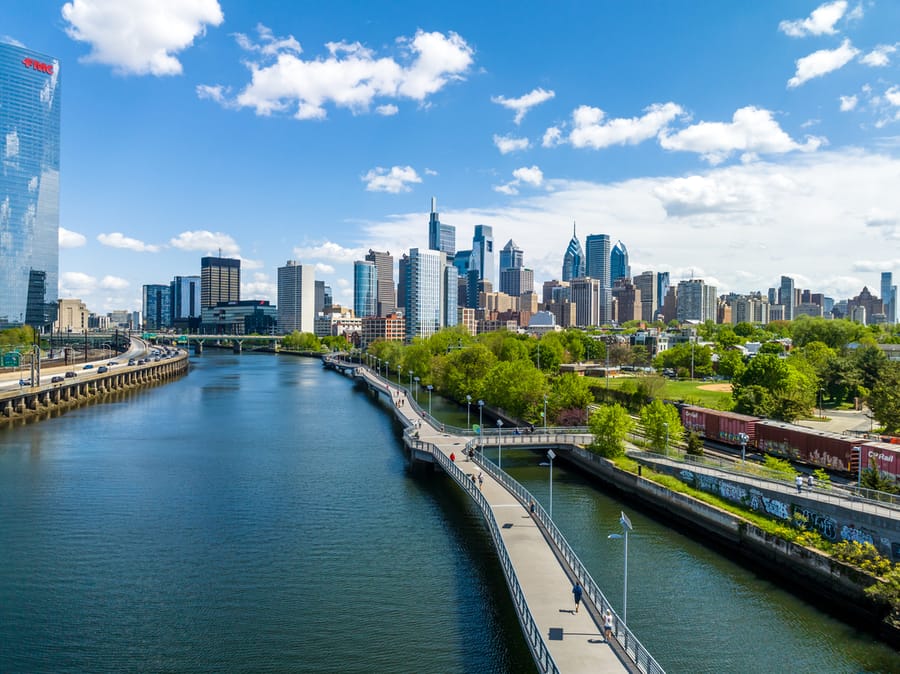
x: 734, y: 142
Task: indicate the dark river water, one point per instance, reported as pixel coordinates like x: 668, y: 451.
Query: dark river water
x: 258, y: 515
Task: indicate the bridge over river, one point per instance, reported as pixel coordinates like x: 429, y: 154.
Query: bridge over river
x: 540, y: 566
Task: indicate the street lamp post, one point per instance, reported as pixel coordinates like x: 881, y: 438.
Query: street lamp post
x: 667, y: 438
x: 551, y: 455
x: 398, y: 376
x: 468, y: 407
x: 481, y: 427
x: 545, y: 413
x: 626, y: 527
x: 410, y: 381
x: 416, y: 379
x: 387, y: 369
x: 430, y: 389
x: 499, y: 443
x: 858, y: 451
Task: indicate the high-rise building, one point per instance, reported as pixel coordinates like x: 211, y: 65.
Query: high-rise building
x: 483, y: 252
x: 648, y: 284
x: 440, y: 237
x: 425, y: 302
x: 511, y: 257
x: 585, y: 293
x: 296, y: 309
x: 696, y: 301
x: 597, y: 257
x: 618, y: 263
x: 888, y: 297
x: 786, y: 297
x: 402, y: 281
x: 220, y: 281
x: 320, y: 297
x: 365, y: 287
x: 385, y: 297
x: 662, y: 288
x: 627, y: 301
x: 185, y: 297
x: 157, y: 303
x: 30, y: 91
x: 516, y: 281
x: 573, y: 260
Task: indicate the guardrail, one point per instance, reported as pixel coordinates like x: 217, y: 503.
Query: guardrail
x: 532, y: 632
x: 641, y: 657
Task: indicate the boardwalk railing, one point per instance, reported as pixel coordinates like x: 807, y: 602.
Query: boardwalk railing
x: 629, y: 642
x: 530, y: 629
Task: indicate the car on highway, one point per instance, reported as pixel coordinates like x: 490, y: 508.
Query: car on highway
x: 25, y: 382
x: 131, y: 361
x: 57, y: 378
x: 89, y: 366
x: 102, y: 369
x: 71, y: 374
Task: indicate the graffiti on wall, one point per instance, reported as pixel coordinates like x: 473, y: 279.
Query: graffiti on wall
x: 774, y: 507
x: 816, y: 521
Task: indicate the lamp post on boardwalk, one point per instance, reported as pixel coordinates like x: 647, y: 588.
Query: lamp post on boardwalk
x: 398, y: 376
x: 551, y: 455
x: 545, y: 412
x: 387, y: 369
x: 430, y: 389
x: 410, y: 381
x: 499, y: 442
x: 416, y: 379
x: 626, y: 527
x: 480, y: 427
x: 667, y: 438
x: 468, y: 407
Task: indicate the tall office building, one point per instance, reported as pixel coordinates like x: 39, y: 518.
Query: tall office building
x: 618, y: 263
x: 889, y: 297
x: 585, y: 293
x: 365, y: 287
x: 662, y: 288
x: 157, y: 302
x: 648, y: 284
x: 220, y: 281
x: 483, y: 252
x: 30, y: 91
x: 514, y: 278
x: 385, y: 291
x: 511, y: 257
x: 424, y: 279
x: 402, y: 281
x: 786, y: 297
x: 597, y: 257
x: 573, y: 261
x: 440, y: 237
x: 296, y: 298
x: 185, y: 301
x: 320, y: 297
x: 696, y: 301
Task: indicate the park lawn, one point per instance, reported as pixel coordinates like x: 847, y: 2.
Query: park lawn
x: 688, y: 391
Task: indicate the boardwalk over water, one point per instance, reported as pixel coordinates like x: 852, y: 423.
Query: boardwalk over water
x: 539, y: 565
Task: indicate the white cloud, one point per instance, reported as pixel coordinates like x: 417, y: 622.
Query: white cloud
x: 593, y: 130
x: 430, y: 172
x: 507, y: 188
x: 822, y: 62
x: 119, y: 240
x: 322, y: 268
x: 70, y: 239
x: 114, y: 283
x: 524, y: 103
x: 879, y: 56
x: 848, y: 103
x: 139, y: 37
x: 332, y: 251
x: 529, y: 175
x: 216, y: 93
x: 207, y: 242
x: 892, y: 95
x: 820, y: 22
x: 6, y: 39
x: 259, y: 286
x: 75, y: 283
x: 351, y: 76
x: 387, y: 110
x: 752, y: 130
x: 874, y: 266
x: 507, y: 144
x: 394, y: 180
x: 552, y: 137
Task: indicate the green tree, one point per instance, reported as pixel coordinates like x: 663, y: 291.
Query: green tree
x: 662, y: 425
x: 694, y: 443
x: 884, y: 400
x: 744, y: 329
x: 771, y: 386
x: 869, y: 361
x: 464, y: 372
x: 731, y: 364
x: 610, y: 425
x: 772, y: 348
x: 518, y: 388
x: 836, y: 334
x: 568, y: 392
x: 301, y: 341
x: 549, y: 351
x: 682, y: 356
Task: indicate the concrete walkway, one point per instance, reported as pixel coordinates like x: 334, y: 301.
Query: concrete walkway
x: 575, y: 640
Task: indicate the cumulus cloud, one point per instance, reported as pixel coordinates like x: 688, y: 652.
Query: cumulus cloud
x: 752, y: 130
x: 334, y: 252
x: 879, y: 56
x: 70, y: 239
x: 892, y: 95
x: 523, y: 104
x: 259, y: 286
x: 822, y: 62
x: 350, y: 76
x: 216, y: 93
x: 874, y: 266
x: 820, y: 22
x: 591, y: 128
x: 529, y: 175
x: 887, y: 222
x: 139, y: 37
x: 323, y: 268
x: 7, y: 39
x: 119, y: 240
x: 114, y: 283
x: 74, y: 283
x: 552, y: 137
x: 393, y: 180
x: 848, y: 103
x: 206, y: 241
x: 507, y: 144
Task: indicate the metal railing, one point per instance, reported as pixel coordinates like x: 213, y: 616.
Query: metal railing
x: 531, y: 630
x: 640, y: 656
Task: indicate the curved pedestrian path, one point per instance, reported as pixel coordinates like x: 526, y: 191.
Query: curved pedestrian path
x: 544, y: 573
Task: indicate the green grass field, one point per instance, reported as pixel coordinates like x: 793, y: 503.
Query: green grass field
x: 689, y: 391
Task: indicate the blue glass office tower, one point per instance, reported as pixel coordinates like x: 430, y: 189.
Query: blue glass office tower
x: 483, y: 252
x: 29, y: 187
x: 618, y: 263
x: 365, y: 289
x: 440, y: 237
x: 573, y: 260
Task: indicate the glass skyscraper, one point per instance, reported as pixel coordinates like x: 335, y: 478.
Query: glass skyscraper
x: 440, y: 237
x: 365, y: 289
x: 618, y: 263
x: 573, y: 260
x: 29, y: 187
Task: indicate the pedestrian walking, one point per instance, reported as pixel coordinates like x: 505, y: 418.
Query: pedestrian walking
x: 577, y: 592
x: 452, y: 456
x: 810, y: 482
x: 480, y: 480
x: 607, y: 625
x: 799, y: 481
x: 531, y: 507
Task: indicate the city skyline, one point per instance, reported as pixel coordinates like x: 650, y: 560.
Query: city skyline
x: 777, y: 157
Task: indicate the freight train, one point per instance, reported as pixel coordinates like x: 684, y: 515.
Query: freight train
x: 832, y: 451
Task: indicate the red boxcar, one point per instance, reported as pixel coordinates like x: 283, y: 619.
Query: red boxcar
x: 883, y: 456
x: 819, y: 448
x: 719, y: 426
